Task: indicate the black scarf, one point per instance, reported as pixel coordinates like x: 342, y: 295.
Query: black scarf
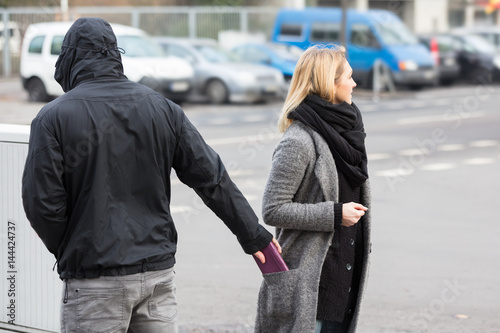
x: 341, y: 125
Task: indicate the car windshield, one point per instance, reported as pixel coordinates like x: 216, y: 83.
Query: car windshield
x: 216, y: 55
x: 287, y: 52
x: 139, y: 46
x: 395, y: 33
x: 478, y: 43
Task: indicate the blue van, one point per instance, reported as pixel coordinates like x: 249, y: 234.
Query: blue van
x: 370, y: 35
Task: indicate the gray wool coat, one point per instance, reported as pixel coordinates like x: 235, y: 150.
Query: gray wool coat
x: 298, y: 200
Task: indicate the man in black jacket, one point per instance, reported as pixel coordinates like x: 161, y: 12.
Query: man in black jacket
x: 96, y: 189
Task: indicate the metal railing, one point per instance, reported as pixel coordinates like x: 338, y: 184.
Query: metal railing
x: 157, y: 21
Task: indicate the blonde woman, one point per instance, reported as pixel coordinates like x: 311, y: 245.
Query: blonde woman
x: 317, y: 196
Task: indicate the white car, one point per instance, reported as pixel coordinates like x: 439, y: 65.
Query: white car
x: 143, y: 62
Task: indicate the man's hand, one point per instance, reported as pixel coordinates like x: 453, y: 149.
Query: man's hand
x: 261, y: 256
x: 351, y: 213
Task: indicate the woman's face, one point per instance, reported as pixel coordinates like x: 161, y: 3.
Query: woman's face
x: 344, y: 85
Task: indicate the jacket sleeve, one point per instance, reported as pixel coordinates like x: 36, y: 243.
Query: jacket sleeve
x: 44, y: 196
x: 200, y: 167
x: 291, y: 161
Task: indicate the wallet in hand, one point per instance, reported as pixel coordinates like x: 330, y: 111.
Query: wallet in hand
x: 274, y: 261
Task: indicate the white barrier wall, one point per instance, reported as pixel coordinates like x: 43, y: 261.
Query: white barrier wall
x: 30, y: 291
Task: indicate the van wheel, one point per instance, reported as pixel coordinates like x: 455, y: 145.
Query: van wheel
x: 217, y: 92
x: 36, y: 91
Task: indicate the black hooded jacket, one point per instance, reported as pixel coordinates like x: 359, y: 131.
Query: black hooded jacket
x: 96, y: 185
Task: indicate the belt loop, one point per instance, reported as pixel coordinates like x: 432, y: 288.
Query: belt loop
x: 144, y: 269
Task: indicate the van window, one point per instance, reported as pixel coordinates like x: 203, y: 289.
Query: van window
x: 291, y: 30
x: 55, y: 47
x: 325, y: 32
x: 36, y: 45
x: 362, y: 35
x: 395, y: 33
x: 11, y: 32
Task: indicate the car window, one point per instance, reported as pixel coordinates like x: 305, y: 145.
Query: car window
x: 290, y: 31
x: 178, y: 51
x: 139, y: 46
x: 474, y: 43
x: 55, y: 46
x: 362, y: 35
x: 253, y: 54
x: 36, y: 45
x: 325, y: 32
x: 216, y: 55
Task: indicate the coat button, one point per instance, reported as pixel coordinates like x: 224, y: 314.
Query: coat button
x: 349, y: 289
x: 352, y: 241
x: 348, y: 266
x: 349, y: 311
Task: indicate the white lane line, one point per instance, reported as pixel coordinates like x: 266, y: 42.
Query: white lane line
x: 451, y: 147
x: 483, y: 143
x: 394, y: 173
x: 480, y: 161
x: 413, y: 151
x: 432, y: 119
x: 379, y: 156
x: 438, y: 166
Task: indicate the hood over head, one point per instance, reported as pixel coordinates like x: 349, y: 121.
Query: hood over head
x: 89, y: 50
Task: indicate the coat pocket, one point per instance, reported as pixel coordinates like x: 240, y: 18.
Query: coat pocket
x: 280, y: 293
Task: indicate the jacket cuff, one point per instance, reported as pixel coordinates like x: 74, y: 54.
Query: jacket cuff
x: 337, y: 210
x: 257, y: 244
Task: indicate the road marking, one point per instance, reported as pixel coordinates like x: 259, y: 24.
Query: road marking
x: 483, y: 143
x: 479, y: 161
x: 414, y: 151
x: 451, y: 147
x: 438, y: 166
x: 394, y: 173
x: 378, y: 157
x: 433, y: 119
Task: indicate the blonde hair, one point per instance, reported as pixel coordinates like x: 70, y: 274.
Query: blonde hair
x: 313, y: 75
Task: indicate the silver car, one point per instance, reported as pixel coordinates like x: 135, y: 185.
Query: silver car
x: 220, y: 77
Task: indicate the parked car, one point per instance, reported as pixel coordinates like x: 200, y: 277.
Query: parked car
x: 479, y: 61
x: 370, y: 35
x: 143, y: 62
x: 491, y: 33
x: 220, y: 76
x: 280, y: 56
x: 445, y: 53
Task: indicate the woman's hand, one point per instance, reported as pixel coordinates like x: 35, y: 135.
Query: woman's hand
x: 261, y: 256
x: 351, y: 213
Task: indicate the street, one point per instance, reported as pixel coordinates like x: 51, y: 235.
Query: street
x: 434, y: 157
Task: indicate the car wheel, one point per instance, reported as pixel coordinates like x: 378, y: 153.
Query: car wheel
x: 217, y: 92
x: 36, y: 91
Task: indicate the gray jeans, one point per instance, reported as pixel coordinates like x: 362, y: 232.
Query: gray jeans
x: 143, y: 302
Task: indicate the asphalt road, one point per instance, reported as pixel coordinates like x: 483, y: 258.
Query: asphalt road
x: 434, y: 157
